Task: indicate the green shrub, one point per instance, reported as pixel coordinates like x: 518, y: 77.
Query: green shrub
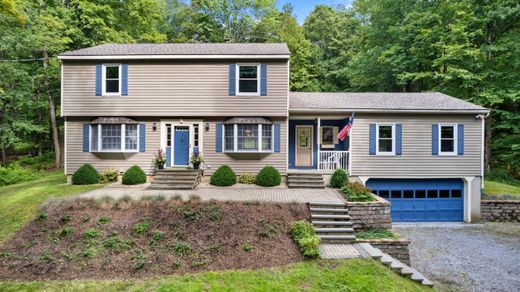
x: 104, y: 219
x: 108, y: 175
x: 247, y: 179
x: 338, y: 179
x: 223, y: 176
x: 142, y: 226
x: 91, y: 233
x: 85, y: 175
x: 41, y: 162
x: 247, y: 247
x: 182, y: 248
x: 304, y: 235
x: 356, y: 192
x: 268, y: 177
x: 134, y: 175
x: 15, y: 174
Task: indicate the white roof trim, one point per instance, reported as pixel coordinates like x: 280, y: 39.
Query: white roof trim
x: 159, y: 57
x: 322, y: 110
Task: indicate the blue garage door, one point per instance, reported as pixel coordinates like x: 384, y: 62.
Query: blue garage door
x: 419, y: 200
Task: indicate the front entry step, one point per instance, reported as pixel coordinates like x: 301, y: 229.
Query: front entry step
x: 332, y: 222
x: 305, y: 180
x: 176, y: 179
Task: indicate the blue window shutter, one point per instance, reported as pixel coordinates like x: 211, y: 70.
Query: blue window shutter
x: 372, y: 139
x: 86, y: 137
x: 124, y: 79
x: 398, y: 139
x: 99, y: 78
x: 218, y: 137
x: 263, y: 79
x: 232, y: 79
x: 277, y: 137
x: 435, y: 139
x: 460, y: 138
x: 142, y: 137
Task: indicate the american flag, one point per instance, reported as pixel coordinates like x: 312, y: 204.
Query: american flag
x: 342, y: 135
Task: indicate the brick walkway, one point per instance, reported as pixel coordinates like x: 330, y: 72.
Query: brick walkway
x: 275, y: 195
x: 341, y: 251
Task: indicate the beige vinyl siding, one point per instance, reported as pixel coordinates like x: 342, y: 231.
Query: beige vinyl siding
x: 76, y: 157
x: 416, y: 159
x: 241, y: 163
x: 173, y: 88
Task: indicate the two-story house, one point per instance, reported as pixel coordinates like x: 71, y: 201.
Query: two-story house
x: 231, y: 102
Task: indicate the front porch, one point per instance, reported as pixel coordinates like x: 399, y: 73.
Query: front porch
x: 314, y: 146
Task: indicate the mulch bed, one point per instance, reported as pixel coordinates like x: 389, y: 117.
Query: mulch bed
x: 110, y: 240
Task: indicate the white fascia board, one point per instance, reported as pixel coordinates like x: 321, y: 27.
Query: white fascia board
x: 321, y: 110
x: 177, y: 57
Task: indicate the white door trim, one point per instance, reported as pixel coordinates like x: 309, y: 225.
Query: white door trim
x: 181, y: 123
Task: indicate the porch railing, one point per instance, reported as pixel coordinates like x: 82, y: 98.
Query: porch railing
x: 332, y: 160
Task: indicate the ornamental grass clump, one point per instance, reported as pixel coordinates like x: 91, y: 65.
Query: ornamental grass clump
x: 304, y: 234
x: 268, y: 177
x: 223, y: 177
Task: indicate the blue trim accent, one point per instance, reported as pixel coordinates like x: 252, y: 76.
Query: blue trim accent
x: 435, y: 139
x: 218, y: 137
x: 142, y: 137
x: 277, y: 137
x: 168, y: 156
x: 195, y: 149
x: 460, y: 138
x: 398, y: 139
x: 417, y: 200
x: 263, y: 79
x: 124, y: 79
x: 232, y: 79
x: 99, y: 79
x: 181, y: 150
x: 86, y: 137
x: 372, y: 139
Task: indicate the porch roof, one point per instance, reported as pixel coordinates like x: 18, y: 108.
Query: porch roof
x: 379, y: 102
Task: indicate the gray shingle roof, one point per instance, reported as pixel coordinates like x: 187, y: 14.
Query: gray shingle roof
x: 183, y: 49
x: 378, y: 101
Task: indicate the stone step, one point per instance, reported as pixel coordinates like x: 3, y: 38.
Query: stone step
x: 386, y: 259
x: 331, y: 223
x: 328, y: 204
x: 335, y: 230
x: 305, y: 178
x: 304, y: 174
x: 174, y: 174
x: 329, y: 238
x: 418, y: 277
x: 396, y: 265
x: 373, y: 252
x: 330, y: 216
x: 328, y: 210
x: 171, y: 186
x: 306, y: 182
x: 306, y: 186
x: 173, y: 179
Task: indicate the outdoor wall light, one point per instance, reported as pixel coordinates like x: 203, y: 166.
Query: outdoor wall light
x: 154, y: 127
x: 206, y: 127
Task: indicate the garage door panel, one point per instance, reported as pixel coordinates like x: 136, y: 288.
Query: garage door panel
x: 416, y: 200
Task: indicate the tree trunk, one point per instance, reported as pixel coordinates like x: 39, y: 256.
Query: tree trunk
x: 487, y: 143
x: 4, y: 157
x: 52, y: 112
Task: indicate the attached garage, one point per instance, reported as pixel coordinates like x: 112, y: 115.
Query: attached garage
x: 422, y: 200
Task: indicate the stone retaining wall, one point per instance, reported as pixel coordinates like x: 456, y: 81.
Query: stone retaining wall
x: 500, y: 210
x: 397, y: 248
x: 370, y: 215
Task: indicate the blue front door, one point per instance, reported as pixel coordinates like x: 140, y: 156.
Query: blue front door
x: 181, y: 146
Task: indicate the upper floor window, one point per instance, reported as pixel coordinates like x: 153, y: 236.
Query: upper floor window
x: 248, y: 81
x: 385, y: 139
x: 112, y: 79
x: 114, y: 138
x: 447, y: 139
x: 248, y: 137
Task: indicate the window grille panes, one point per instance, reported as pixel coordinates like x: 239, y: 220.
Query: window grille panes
x: 94, y: 141
x: 112, y: 79
x: 327, y: 135
x: 385, y: 139
x: 248, y: 79
x: 247, y: 137
x: 196, y: 135
x: 229, y: 137
x: 267, y: 137
x: 447, y: 139
x: 131, y: 137
x: 111, y: 137
x: 168, y: 135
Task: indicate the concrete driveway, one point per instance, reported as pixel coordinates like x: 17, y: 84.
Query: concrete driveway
x: 466, y: 257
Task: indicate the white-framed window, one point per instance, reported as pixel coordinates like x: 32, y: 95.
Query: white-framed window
x: 248, y: 79
x: 248, y: 138
x: 111, y: 79
x: 114, y: 138
x: 448, y: 139
x: 385, y: 139
x: 329, y: 136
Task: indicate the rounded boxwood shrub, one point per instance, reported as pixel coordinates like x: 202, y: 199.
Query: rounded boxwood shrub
x: 134, y: 175
x: 85, y: 175
x: 223, y: 177
x: 268, y: 177
x: 338, y: 179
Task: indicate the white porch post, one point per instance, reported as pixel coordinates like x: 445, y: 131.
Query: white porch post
x: 318, y: 136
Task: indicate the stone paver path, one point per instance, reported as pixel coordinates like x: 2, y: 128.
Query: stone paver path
x: 339, y: 251
x: 275, y: 195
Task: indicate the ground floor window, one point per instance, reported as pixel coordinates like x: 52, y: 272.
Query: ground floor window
x: 114, y: 138
x: 248, y: 137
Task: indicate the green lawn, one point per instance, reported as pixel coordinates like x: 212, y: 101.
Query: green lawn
x: 20, y: 202
x: 322, y: 275
x: 501, y: 188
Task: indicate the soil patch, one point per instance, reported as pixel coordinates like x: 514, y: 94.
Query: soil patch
x: 106, y: 240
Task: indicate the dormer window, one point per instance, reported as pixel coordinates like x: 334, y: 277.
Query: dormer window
x: 248, y: 81
x: 112, y: 79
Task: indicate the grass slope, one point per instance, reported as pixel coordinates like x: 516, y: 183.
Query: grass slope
x: 322, y: 275
x: 501, y: 188
x: 19, y: 203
